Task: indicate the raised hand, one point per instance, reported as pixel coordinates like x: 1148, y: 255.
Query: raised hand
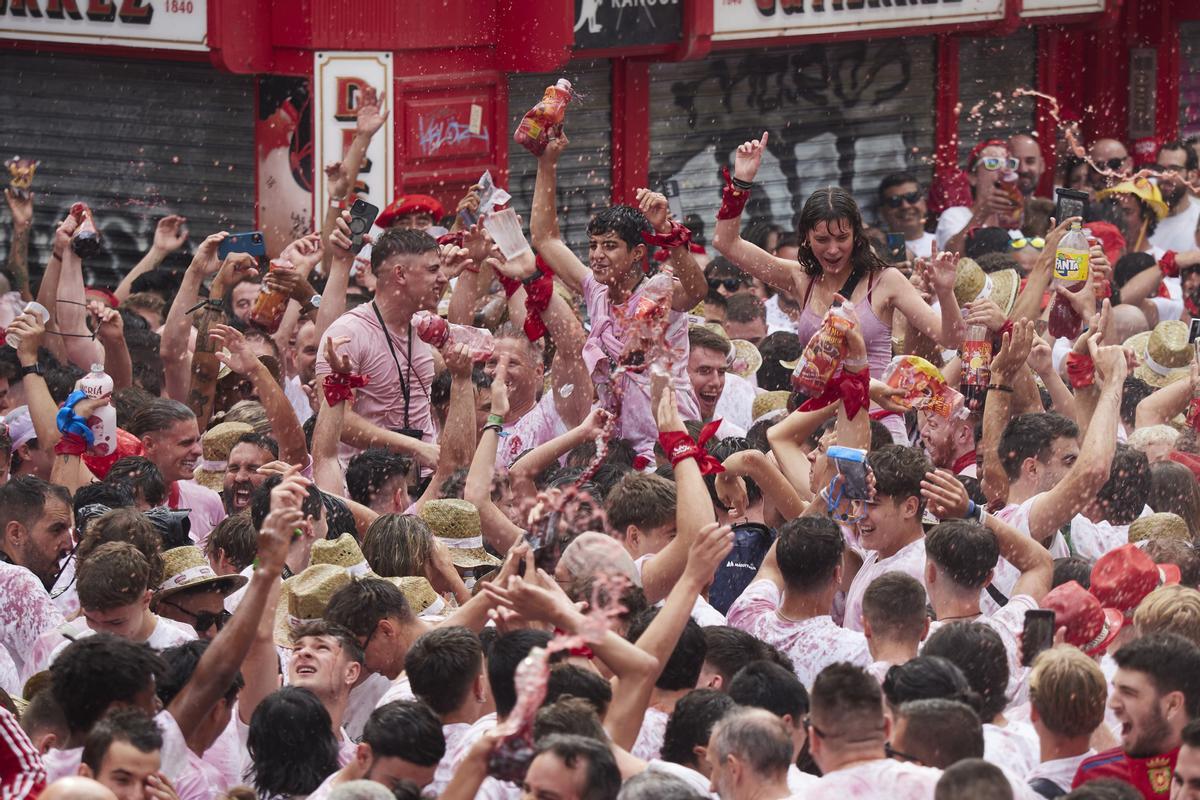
x: 21, y: 208
x: 656, y: 208
x: 946, y: 496
x: 30, y: 329
x: 458, y: 360
x: 708, y: 552
x: 984, y: 312
x: 339, y: 362
x: 943, y: 269
x: 170, y: 234
x: 205, y: 259
x: 1041, y: 356
x: 555, y: 146
x: 1014, y: 351
x: 455, y: 259
x: 304, y: 253
x: 337, y: 181
x: 1112, y: 362
x: 275, y: 536
x: 371, y: 112
x: 63, y: 233
x: 233, y: 269
x: 748, y: 158
x: 886, y: 396
x: 110, y: 326
x: 1095, y: 330
x: 500, y: 405
x: 666, y: 409
x: 478, y: 242
x: 240, y: 358
x: 469, y: 202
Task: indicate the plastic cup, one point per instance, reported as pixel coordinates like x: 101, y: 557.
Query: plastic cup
x: 505, y: 229
x: 38, y: 309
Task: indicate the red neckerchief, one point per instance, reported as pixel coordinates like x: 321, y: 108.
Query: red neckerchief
x: 173, y: 495
x: 964, y: 461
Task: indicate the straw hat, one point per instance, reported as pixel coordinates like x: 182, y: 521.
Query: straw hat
x: 1162, y: 525
x: 1144, y: 190
x: 1123, y: 577
x: 456, y: 523
x: 216, y: 442
x: 768, y: 403
x: 186, y: 568
x: 419, y: 593
x: 305, y: 597
x: 341, y: 552
x: 972, y: 283
x: 744, y: 359
x: 1164, y: 353
x: 1090, y: 627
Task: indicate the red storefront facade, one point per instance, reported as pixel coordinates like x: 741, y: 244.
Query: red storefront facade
x: 861, y: 86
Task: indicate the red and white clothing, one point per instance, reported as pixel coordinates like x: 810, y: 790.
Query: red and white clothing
x: 812, y: 644
x: 650, y: 738
x: 1093, y: 539
x: 1017, y: 515
x: 22, y: 774
x: 909, y: 559
x: 538, y: 426
x: 25, y: 614
x: 174, y: 759
x: 205, y: 506
x: 895, y: 780
x: 966, y: 466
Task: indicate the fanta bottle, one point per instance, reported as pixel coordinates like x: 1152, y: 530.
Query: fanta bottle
x: 1071, y: 270
x: 534, y: 131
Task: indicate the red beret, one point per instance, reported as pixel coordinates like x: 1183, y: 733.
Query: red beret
x: 409, y: 204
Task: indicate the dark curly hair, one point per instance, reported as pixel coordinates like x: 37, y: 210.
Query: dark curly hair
x: 626, y: 222
x: 829, y: 205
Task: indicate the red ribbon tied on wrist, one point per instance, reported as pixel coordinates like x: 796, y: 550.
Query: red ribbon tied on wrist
x: 340, y: 386
x: 1168, y: 265
x: 1193, y: 413
x: 852, y: 388
x: 733, y: 199
x: 510, y: 284
x: 678, y: 446
x: 539, y: 289
x: 1081, y: 370
x: 678, y: 236
x: 71, y: 444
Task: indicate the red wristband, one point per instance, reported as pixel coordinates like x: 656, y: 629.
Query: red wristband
x: 538, y: 293
x: 340, y: 387
x: 678, y: 446
x: 1168, y: 265
x: 852, y: 388
x: 1193, y: 413
x: 71, y: 444
x: 678, y: 236
x: 1081, y: 370
x: 733, y: 199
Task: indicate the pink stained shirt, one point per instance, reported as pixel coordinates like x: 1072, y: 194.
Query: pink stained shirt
x: 26, y: 613
x: 909, y: 559
x: 538, y: 426
x: 650, y: 738
x: 884, y: 777
x: 381, y: 401
x: 602, y: 351
x: 206, y: 508
x: 812, y: 644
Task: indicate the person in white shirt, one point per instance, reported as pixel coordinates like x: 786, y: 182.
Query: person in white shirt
x: 749, y: 753
x: 988, y: 160
x: 708, y: 363
x: 788, y: 603
x: 1067, y: 694
x: 124, y: 752
x: 685, y: 741
x: 680, y: 673
x: 895, y: 621
x: 902, y: 209
x: 848, y: 732
x: 1177, y: 166
x: 762, y: 684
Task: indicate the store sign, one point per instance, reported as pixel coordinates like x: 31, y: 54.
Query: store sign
x: 1047, y: 8
x: 1143, y: 92
x: 163, y: 24
x: 339, y: 81
x: 753, y: 19
x: 623, y: 23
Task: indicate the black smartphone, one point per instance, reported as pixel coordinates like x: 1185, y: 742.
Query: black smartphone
x: 1069, y: 203
x: 252, y: 243
x: 412, y: 433
x: 852, y: 465
x: 1194, y: 331
x: 362, y: 217
x: 897, y: 248
x: 1038, y: 634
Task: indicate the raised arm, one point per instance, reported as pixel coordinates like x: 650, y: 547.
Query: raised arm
x: 170, y: 234
x: 175, y: 345
x: 1014, y: 351
x: 946, y: 328
x: 205, y: 364
x: 1163, y: 405
x: 341, y: 177
x: 775, y: 487
x: 786, y: 438
x: 18, y: 251
x: 110, y: 332
x: 458, y: 437
x: 690, y: 285
x: 543, y: 219
x: 42, y: 408
x: 1029, y: 301
x: 523, y: 473
x: 498, y: 529
x: 727, y: 237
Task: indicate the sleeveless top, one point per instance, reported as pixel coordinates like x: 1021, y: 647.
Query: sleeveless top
x: 876, y: 335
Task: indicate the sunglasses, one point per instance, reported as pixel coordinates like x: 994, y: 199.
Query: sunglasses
x: 730, y: 284
x: 897, y: 200
x: 897, y: 755
x: 1037, y: 243
x: 203, y: 620
x: 994, y: 163
x: 1112, y: 164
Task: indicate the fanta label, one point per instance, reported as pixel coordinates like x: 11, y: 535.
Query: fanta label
x: 1071, y: 265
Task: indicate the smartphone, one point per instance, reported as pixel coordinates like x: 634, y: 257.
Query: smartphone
x: 362, y: 217
x: 1038, y: 634
x: 412, y: 433
x: 852, y: 466
x: 252, y: 243
x: 1194, y: 331
x: 897, y: 248
x: 1069, y: 203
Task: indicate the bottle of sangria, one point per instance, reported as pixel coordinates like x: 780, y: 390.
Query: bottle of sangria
x: 270, y: 304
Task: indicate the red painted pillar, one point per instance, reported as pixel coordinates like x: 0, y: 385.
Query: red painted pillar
x: 1045, y: 124
x: 946, y: 109
x: 630, y: 127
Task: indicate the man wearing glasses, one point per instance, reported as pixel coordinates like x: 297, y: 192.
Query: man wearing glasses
x: 191, y: 593
x: 1177, y: 167
x: 902, y: 209
x: 987, y: 162
x: 1113, y: 161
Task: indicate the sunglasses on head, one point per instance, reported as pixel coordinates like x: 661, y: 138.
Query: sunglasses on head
x: 1037, y: 243
x: 730, y: 284
x: 994, y: 163
x: 897, y: 200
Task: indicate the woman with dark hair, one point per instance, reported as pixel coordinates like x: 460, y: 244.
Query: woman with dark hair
x: 1174, y: 489
x: 835, y: 260
x: 291, y: 745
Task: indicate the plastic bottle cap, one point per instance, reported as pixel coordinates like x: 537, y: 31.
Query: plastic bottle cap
x: 97, y: 368
x: 564, y: 84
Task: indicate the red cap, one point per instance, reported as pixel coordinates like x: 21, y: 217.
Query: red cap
x: 979, y: 148
x: 1123, y: 577
x: 1110, y: 239
x: 127, y: 445
x: 1090, y: 627
x: 410, y: 204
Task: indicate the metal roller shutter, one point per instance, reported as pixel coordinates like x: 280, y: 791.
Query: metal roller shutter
x: 989, y: 70
x: 584, y: 173
x: 1189, y: 79
x: 134, y: 139
x: 844, y: 114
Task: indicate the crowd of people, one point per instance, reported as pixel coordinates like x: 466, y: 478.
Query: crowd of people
x: 599, y: 537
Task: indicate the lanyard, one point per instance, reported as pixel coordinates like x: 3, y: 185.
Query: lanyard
x: 387, y: 337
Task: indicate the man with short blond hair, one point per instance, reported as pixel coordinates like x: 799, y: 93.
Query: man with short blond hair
x: 1170, y: 609
x: 1067, y: 693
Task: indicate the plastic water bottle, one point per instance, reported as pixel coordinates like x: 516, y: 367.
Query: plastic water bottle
x: 1071, y: 264
x: 439, y: 333
x: 103, y: 420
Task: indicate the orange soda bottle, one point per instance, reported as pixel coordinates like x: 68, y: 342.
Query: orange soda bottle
x: 533, y: 133
x: 270, y: 303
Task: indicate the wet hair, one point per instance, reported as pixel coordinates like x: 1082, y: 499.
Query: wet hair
x: 157, y: 415
x: 130, y: 725
x: 1068, y: 689
x: 259, y: 440
x: 646, y: 501
x: 1031, y: 436
x: 1181, y: 554
x: 627, y: 222
x: 442, y: 666
x: 398, y: 545
x: 745, y: 307
x: 1133, y: 391
x: 291, y: 743
x: 965, y: 550
x: 61, y: 380
x: 115, y: 574
x: 181, y: 661
x: 23, y: 499
x: 728, y: 649
x: 927, y: 677
x: 350, y: 645
x: 1171, y: 662
x: 140, y: 477
x: 1072, y: 568
x: 899, y: 471
x: 359, y: 606
x: 571, y: 680
x: 602, y: 778
x: 1123, y: 495
x: 847, y: 697
x: 506, y: 654
x: 894, y: 605
x: 775, y: 347
x: 979, y: 652
x: 1174, y: 489
x: 809, y: 551
x: 400, y: 242
x: 406, y: 729
x: 93, y: 673
x: 104, y: 494
x: 941, y: 732
x: 761, y: 684
x: 571, y: 715
x: 691, y: 724
x: 260, y: 501
x: 973, y: 778
x: 834, y: 205
x: 686, y: 661
x: 43, y: 715
x: 236, y: 537
x: 125, y: 525
x: 701, y: 338
x: 368, y: 471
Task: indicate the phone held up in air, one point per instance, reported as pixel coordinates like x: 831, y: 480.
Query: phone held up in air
x: 852, y: 466
x: 897, y: 248
x: 362, y: 217
x: 251, y: 242
x: 1069, y: 203
x: 1038, y: 634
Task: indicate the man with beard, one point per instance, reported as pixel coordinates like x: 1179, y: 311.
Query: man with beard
x: 304, y: 361
x: 950, y: 441
x: 171, y: 437
x: 1177, y: 166
x: 242, y: 476
x: 902, y: 209
x: 1155, y: 692
x: 1030, y: 163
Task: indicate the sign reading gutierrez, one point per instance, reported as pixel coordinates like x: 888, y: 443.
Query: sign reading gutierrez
x: 752, y: 19
x: 163, y: 24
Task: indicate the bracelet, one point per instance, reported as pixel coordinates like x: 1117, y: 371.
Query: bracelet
x: 999, y: 387
x: 494, y: 427
x: 336, y: 203
x: 738, y: 183
x: 679, y: 446
x: 733, y: 199
x: 1168, y: 264
x: 495, y: 419
x: 678, y: 236
x: 1081, y: 370
x: 71, y: 424
x: 854, y: 362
